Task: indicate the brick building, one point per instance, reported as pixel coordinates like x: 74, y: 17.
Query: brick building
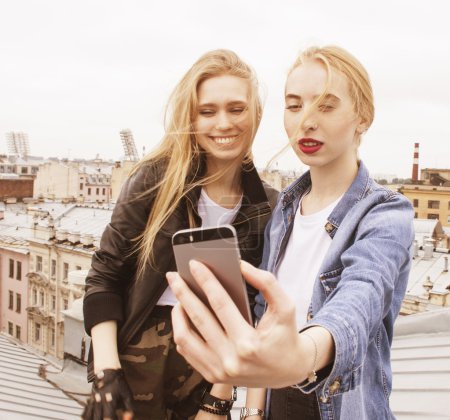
x: 15, y: 187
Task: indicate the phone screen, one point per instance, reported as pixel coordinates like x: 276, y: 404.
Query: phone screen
x: 218, y: 249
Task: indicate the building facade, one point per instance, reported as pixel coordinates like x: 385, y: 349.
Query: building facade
x: 429, y: 202
x: 13, y: 287
x: 72, y: 181
x: 436, y: 177
x: 119, y: 174
x: 60, y: 238
x: 15, y: 188
x: 50, y: 292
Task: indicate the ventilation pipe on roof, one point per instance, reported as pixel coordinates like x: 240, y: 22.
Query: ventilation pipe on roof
x: 61, y: 235
x: 428, y: 249
x: 415, y: 249
x: 427, y: 285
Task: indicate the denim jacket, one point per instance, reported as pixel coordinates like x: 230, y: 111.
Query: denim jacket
x: 357, y: 293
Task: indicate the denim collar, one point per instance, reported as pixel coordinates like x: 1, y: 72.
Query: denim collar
x: 357, y: 190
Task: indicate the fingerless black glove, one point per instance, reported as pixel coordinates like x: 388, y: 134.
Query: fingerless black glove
x: 110, y: 392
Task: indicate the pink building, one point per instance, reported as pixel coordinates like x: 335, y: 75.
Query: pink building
x: 14, y: 287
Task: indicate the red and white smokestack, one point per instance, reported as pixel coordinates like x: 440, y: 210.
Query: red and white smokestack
x: 415, y: 168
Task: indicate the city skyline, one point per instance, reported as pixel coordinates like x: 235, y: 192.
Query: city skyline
x: 75, y: 74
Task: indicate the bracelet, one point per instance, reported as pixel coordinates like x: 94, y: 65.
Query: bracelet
x: 218, y: 403
x: 214, y: 410
x: 312, y: 376
x: 248, y: 412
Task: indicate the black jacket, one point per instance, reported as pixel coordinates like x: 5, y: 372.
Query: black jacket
x: 111, y: 290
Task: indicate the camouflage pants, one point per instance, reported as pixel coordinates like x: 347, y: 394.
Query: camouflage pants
x: 164, y: 385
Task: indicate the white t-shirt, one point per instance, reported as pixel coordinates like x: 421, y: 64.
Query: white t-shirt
x: 212, y: 215
x: 305, y: 251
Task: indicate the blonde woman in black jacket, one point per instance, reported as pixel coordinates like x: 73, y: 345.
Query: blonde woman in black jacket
x: 200, y: 175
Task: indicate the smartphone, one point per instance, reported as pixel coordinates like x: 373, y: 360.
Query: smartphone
x: 218, y: 249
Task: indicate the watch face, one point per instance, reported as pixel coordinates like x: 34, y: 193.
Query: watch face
x: 221, y: 405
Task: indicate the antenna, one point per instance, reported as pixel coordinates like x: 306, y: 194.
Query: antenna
x: 129, y: 146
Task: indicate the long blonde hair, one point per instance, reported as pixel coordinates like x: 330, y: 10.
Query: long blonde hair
x: 179, y: 149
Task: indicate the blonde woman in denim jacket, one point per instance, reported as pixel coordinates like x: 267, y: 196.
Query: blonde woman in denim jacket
x: 328, y: 359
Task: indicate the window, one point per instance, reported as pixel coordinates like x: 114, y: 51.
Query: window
x: 433, y: 204
x: 18, y: 270
x: 104, y: 191
x: 78, y: 267
x: 89, y: 191
x: 11, y: 300
x: 415, y: 202
x: 65, y: 271
x: 97, y: 191
x: 41, y: 298
x: 52, y: 337
x: 65, y: 304
x: 53, y: 268
x: 415, y: 215
x: 432, y: 216
x: 37, y: 331
x: 18, y: 303
x: 449, y: 205
x: 24, y: 170
x: 18, y: 332
x: 11, y: 268
x: 10, y: 328
x: 38, y: 263
x: 34, y: 297
x: 81, y: 185
x: 53, y: 302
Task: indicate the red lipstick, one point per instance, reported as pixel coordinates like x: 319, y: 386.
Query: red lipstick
x: 309, y: 146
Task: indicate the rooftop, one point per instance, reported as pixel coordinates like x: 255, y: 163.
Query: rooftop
x: 24, y: 395
x: 421, y: 366
x: 82, y: 219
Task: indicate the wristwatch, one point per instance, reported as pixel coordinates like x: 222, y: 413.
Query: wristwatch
x: 247, y: 412
x: 217, y: 403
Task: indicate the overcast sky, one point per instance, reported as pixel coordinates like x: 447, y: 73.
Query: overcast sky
x: 74, y: 73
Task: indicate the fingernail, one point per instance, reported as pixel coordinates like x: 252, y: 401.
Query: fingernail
x: 170, y: 276
x: 193, y: 264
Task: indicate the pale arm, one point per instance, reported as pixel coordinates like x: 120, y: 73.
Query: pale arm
x: 104, y: 342
x: 256, y: 398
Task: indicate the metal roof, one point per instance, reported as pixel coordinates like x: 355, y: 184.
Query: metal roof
x: 24, y: 395
x: 85, y: 220
x: 421, y: 366
x: 73, y: 218
x: 434, y: 268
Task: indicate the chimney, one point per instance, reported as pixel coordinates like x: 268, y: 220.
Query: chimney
x: 415, y: 168
x: 415, y: 249
x: 428, y: 249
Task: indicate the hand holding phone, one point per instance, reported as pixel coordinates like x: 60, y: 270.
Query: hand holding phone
x: 218, y: 249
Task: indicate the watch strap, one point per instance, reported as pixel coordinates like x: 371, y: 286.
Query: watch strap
x: 218, y: 403
x: 247, y: 412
